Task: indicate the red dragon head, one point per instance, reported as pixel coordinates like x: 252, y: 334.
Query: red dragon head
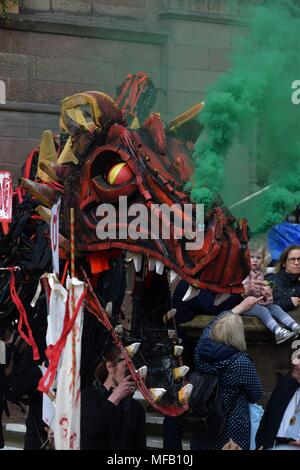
x: 106, y: 164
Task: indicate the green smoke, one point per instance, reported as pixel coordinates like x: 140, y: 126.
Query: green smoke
x: 254, y: 98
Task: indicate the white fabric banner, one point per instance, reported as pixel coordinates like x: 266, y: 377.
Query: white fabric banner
x: 67, y: 408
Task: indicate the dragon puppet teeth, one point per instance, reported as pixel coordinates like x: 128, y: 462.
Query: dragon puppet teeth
x: 169, y: 315
x: 178, y: 350
x: 159, y: 267
x: 220, y: 298
x: 171, y: 334
x: 190, y: 293
x: 142, y: 371
x: 137, y: 259
x: 185, y: 393
x: 119, y: 329
x: 108, y: 308
x: 151, y: 264
x: 180, y: 372
x: 157, y: 393
x: 173, y: 276
x: 132, y: 349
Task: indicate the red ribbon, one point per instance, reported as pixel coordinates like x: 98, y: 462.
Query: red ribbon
x: 23, y: 316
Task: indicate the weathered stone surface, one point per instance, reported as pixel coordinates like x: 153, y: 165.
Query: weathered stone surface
x: 43, y: 91
x: 45, y: 45
x: 16, y: 65
x: 15, y: 150
x: 219, y: 59
x: 180, y: 101
x: 36, y: 5
x: 117, y: 12
x: 74, y: 7
x: 201, y: 34
x: 16, y: 89
x: 191, y: 79
x: 193, y: 57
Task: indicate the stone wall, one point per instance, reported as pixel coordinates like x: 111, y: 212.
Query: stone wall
x: 55, y: 48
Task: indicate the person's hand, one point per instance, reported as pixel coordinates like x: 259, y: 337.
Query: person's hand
x: 231, y: 446
x: 254, y: 286
x: 295, y: 443
x: 296, y: 301
x: 246, y: 304
x: 123, y: 390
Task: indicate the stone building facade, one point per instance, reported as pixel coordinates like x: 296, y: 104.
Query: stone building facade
x: 54, y: 48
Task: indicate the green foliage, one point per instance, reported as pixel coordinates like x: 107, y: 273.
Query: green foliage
x: 256, y: 94
x: 4, y: 5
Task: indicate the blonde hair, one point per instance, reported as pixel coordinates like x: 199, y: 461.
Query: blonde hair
x: 259, y: 248
x: 229, y: 330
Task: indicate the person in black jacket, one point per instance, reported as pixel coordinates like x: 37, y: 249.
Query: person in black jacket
x: 285, y: 282
x: 280, y: 423
x: 110, y: 418
x: 24, y: 381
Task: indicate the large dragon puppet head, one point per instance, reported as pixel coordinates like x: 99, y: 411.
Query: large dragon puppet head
x: 114, y: 154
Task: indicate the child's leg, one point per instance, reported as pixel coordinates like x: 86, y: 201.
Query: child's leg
x: 282, y: 316
x: 264, y: 315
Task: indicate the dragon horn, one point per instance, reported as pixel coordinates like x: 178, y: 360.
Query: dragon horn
x: 47, y: 154
x: 45, y: 213
x: 56, y: 171
x: 47, y: 196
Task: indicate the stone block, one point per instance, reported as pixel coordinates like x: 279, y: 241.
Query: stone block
x: 219, y: 59
x: 201, y: 34
x: 195, y: 57
x: 36, y: 5
x: 74, y: 71
x: 5, y: 40
x: 16, y: 89
x: 74, y: 7
x: 136, y: 53
x: 121, y: 3
x: 180, y: 101
x: 46, y: 45
x: 42, y: 91
x: 13, y: 124
x: 122, y: 13
x: 14, y: 150
x: 16, y: 65
x: 191, y: 79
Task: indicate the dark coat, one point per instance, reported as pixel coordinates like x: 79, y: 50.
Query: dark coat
x: 239, y: 386
x: 102, y: 422
x: 24, y: 381
x: 274, y: 412
x: 286, y: 286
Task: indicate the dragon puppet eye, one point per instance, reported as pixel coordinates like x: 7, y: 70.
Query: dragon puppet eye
x: 119, y: 174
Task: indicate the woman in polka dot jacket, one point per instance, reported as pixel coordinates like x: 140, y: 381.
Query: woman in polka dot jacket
x: 221, y: 351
